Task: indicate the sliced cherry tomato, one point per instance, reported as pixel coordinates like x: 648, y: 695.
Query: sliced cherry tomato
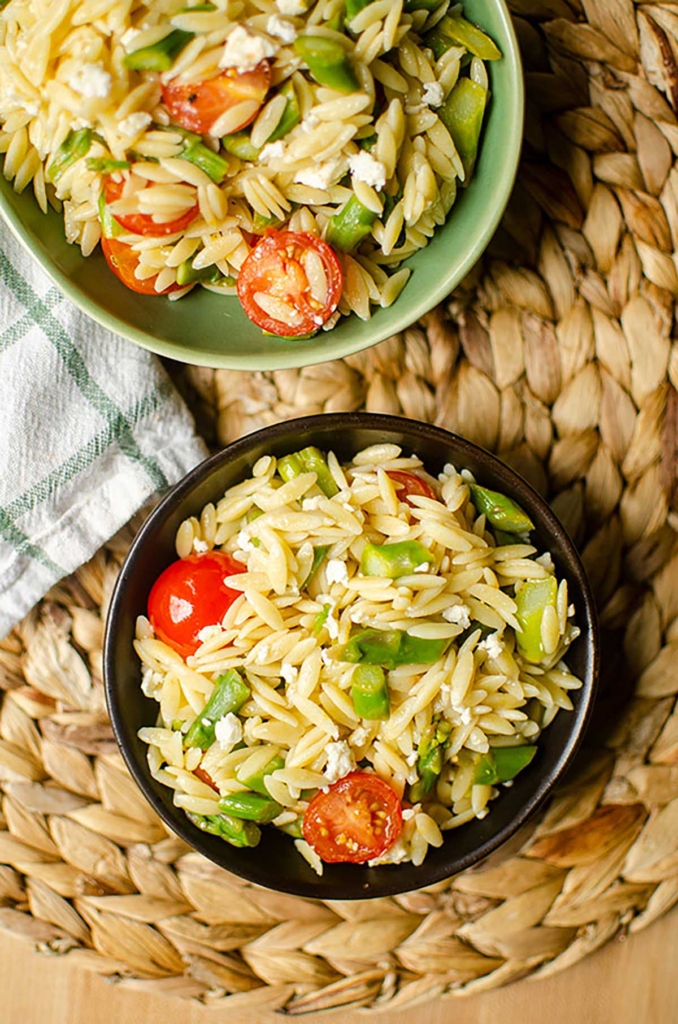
x: 143, y: 223
x: 189, y: 595
x: 123, y: 261
x: 297, y: 276
x: 205, y: 777
x: 409, y: 483
x: 198, y: 106
x: 357, y: 819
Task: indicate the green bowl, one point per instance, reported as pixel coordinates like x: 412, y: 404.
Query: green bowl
x: 211, y: 330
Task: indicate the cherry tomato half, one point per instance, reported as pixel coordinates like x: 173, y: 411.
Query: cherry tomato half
x: 409, y: 483
x: 123, y: 261
x: 357, y: 819
x: 290, y: 283
x: 189, y: 595
x: 198, y: 106
x: 143, y: 223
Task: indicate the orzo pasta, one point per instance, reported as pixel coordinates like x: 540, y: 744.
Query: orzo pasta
x: 360, y: 654
x: 184, y: 137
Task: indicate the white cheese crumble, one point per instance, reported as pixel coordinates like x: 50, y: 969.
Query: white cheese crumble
x: 244, y: 540
x: 331, y: 625
x: 273, y: 151
x: 288, y: 672
x: 364, y: 167
x: 199, y: 546
x: 151, y: 683
x: 424, y: 567
x: 228, y: 731
x: 129, y: 36
x: 340, y: 761
x: 396, y: 854
x: 312, y: 504
x: 91, y: 81
x: 244, y: 50
x: 281, y: 29
x: 134, y: 124
x: 459, y: 614
x: 207, y: 632
x: 433, y: 94
x: 320, y: 175
x: 492, y: 645
x: 360, y: 736
x: 291, y: 7
x: 336, y: 571
x: 464, y: 714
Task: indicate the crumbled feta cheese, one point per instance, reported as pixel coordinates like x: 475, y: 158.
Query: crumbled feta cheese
x: 281, y: 29
x: 336, y: 571
x: 360, y: 736
x: 364, y: 167
x: 151, y: 683
x: 273, y: 151
x: 464, y: 714
x: 289, y: 673
x: 395, y: 854
x: 129, y: 36
x: 492, y: 645
x: 91, y: 81
x: 310, y: 122
x: 199, y: 546
x: 546, y: 561
x: 134, y: 124
x: 331, y: 625
x: 263, y: 654
x: 244, y: 540
x: 340, y: 761
x: 320, y: 175
x: 312, y: 504
x: 244, y: 50
x: 291, y: 7
x: 228, y: 731
x: 325, y: 658
x: 411, y: 759
x: 433, y: 94
x: 207, y: 632
x: 459, y: 614
x: 424, y: 567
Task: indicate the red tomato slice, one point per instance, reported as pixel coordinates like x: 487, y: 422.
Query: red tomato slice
x: 409, y: 483
x: 143, y: 223
x: 123, y: 261
x: 189, y: 595
x: 302, y: 277
x: 357, y: 819
x: 197, y: 107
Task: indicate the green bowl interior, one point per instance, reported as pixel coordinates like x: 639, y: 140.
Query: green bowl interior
x: 211, y: 330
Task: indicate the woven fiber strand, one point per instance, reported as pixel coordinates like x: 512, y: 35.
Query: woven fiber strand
x: 557, y: 353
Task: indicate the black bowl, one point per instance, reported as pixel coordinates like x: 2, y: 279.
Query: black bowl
x: 275, y: 863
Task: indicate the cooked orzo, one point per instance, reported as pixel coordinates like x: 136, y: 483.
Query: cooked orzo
x: 292, y: 151
x: 359, y: 654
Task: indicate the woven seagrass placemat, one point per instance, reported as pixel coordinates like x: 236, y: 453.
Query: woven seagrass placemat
x: 557, y: 353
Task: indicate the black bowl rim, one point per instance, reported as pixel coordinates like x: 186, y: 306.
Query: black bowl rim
x: 519, y: 487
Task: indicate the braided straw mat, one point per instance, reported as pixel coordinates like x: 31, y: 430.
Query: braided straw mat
x: 556, y: 352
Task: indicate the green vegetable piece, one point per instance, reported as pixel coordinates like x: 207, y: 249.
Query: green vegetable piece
x: 250, y: 806
x: 369, y: 692
x: 500, y: 511
x: 109, y: 225
x: 421, y: 5
x: 347, y: 228
x: 161, y: 55
x: 431, y: 758
x: 207, y: 160
x: 74, y: 147
x: 319, y: 556
x: 239, y: 145
x: 503, y: 538
x: 462, y: 114
x: 103, y: 166
x: 337, y: 21
x: 234, y: 830
x: 291, y: 115
x: 186, y: 274
x: 354, y: 7
x: 320, y: 619
x: 195, y: 8
x: 532, y: 599
x: 368, y: 143
x: 256, y: 782
x: 309, y: 460
x: 229, y: 694
x: 458, y: 32
x: 327, y: 63
x: 260, y: 223
x: 502, y: 764
x: 394, y: 560
x: 390, y: 648
x: 294, y: 828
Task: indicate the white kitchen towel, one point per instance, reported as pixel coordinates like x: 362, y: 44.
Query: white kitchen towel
x: 90, y: 427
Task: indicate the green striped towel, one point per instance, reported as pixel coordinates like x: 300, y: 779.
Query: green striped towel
x: 90, y: 428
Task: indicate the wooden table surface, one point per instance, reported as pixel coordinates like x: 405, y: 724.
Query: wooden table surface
x: 630, y: 981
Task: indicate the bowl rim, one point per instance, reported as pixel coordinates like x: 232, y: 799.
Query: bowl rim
x: 289, y: 356
x: 519, y: 487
